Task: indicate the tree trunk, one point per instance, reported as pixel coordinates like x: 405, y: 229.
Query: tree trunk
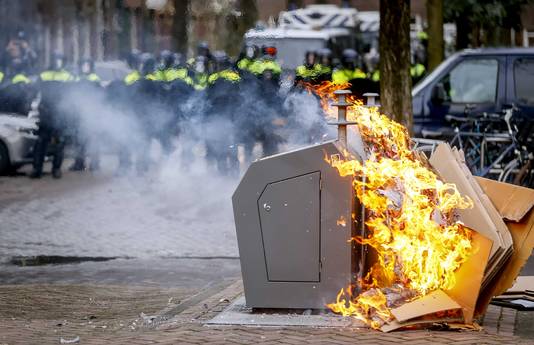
x: 395, y: 79
x: 434, y: 10
x: 247, y: 20
x: 179, y: 25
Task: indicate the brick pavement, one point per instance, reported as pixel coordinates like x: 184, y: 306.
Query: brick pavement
x: 117, y: 321
x: 158, y: 215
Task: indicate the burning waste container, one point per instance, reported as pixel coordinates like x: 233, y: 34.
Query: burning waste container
x: 293, y: 215
x: 435, y: 247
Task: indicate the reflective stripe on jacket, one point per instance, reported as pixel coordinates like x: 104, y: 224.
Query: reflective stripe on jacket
x: 93, y: 77
x: 132, y: 77
x: 226, y: 74
x: 20, y: 78
x: 61, y: 75
x: 341, y: 76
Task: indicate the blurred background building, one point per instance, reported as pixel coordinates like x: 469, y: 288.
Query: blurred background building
x: 109, y: 29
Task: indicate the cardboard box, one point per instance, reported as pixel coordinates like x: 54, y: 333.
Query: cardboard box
x: 515, y: 205
x: 483, y: 217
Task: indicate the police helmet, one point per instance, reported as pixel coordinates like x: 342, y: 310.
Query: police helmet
x: 178, y: 60
x: 349, y: 58
x: 325, y: 56
x: 165, y: 59
x: 310, y: 57
x: 133, y: 59
x: 147, y: 63
x: 21, y: 35
x: 222, y: 61
x: 203, y: 49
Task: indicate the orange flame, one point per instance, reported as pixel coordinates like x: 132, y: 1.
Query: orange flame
x: 410, y: 212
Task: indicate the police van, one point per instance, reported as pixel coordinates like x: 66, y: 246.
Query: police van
x: 311, y: 28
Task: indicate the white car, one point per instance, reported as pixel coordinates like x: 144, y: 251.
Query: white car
x: 17, y: 138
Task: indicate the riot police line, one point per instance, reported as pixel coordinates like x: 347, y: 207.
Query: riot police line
x: 208, y: 99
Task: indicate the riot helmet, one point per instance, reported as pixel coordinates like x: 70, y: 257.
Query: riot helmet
x: 165, y: 59
x: 349, y: 58
x: 133, y: 59
x: 325, y: 57
x: 147, y: 63
x: 178, y: 60
x: 222, y: 61
x: 310, y: 58
x: 203, y: 49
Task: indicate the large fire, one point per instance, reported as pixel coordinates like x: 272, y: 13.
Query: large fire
x: 410, y: 218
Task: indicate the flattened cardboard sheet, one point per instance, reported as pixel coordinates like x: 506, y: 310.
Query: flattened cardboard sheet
x: 523, y: 236
x: 513, y: 202
x: 469, y: 277
x: 394, y: 325
x: 432, y: 303
x: 444, y: 161
x: 483, y: 216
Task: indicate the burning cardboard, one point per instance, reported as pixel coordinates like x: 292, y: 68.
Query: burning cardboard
x: 415, y: 240
x: 391, y: 180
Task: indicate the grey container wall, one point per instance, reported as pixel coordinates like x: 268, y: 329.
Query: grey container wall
x: 293, y: 245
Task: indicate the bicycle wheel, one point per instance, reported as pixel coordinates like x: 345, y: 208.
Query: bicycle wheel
x: 509, y: 172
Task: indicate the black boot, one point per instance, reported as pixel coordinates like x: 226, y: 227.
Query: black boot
x: 36, y: 174
x: 77, y: 166
x: 56, y: 174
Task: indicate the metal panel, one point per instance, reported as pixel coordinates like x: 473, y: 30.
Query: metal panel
x: 336, y: 202
x: 290, y: 226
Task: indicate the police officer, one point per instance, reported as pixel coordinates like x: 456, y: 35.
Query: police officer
x: 203, y: 50
x: 247, y: 57
x: 200, y: 73
x: 52, y: 116
x: 417, y: 70
x: 165, y: 119
x: 223, y: 94
x: 349, y: 69
x: 18, y: 91
x: 87, y: 82
x: 118, y: 94
x: 269, y: 116
x: 147, y: 107
x: 266, y: 67
x: 307, y: 72
x: 133, y: 63
x: 324, y: 66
